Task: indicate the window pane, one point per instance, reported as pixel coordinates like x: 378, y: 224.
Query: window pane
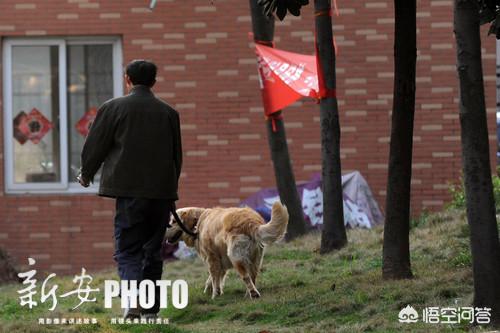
x: 90, y: 83
x: 35, y: 103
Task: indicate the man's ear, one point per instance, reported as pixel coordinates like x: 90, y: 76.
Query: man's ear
x: 128, y: 81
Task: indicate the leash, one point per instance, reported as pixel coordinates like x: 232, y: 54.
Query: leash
x: 181, y: 224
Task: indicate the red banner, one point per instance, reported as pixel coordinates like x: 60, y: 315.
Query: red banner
x: 286, y: 77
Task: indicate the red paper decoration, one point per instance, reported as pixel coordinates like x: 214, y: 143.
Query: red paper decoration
x: 32, y: 126
x: 83, y: 125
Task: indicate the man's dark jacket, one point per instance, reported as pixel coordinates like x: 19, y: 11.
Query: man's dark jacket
x: 138, y: 139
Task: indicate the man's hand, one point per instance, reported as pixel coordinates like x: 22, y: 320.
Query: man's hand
x: 84, y: 182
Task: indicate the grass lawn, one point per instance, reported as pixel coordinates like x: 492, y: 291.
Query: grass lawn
x: 301, y: 290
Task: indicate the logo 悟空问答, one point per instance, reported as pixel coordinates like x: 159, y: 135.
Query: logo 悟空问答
x: 408, y: 315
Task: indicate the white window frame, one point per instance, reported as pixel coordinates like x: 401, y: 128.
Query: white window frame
x: 64, y: 186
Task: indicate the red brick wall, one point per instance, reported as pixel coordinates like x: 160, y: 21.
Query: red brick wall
x: 207, y: 70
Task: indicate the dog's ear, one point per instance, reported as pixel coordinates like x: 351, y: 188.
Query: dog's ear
x: 192, y: 220
x: 194, y: 217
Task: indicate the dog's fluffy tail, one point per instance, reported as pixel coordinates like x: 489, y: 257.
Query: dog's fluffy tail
x: 275, y: 229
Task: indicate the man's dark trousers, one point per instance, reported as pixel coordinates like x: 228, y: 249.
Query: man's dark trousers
x: 140, y: 226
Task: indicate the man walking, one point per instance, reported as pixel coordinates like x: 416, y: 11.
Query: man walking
x: 137, y: 138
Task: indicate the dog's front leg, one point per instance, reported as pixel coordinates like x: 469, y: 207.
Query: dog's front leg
x: 216, y: 276
x: 208, y: 284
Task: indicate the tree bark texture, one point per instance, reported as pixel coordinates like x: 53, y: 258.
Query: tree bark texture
x: 333, y: 233
x: 485, y: 246
x: 396, y: 250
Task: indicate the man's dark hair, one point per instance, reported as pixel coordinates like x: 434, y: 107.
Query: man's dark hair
x: 142, y: 72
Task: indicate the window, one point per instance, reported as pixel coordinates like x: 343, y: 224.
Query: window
x: 52, y: 89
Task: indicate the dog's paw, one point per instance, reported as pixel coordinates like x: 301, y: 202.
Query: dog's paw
x: 216, y: 292
x: 254, y: 293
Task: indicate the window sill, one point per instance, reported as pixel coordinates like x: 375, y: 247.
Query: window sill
x: 72, y: 189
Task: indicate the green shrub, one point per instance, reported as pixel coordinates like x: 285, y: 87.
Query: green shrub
x: 457, y: 192
x: 462, y: 259
x: 421, y: 220
x: 496, y: 190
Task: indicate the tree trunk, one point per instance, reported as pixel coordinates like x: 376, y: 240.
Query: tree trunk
x: 263, y: 30
x: 396, y: 252
x: 485, y: 246
x: 333, y: 233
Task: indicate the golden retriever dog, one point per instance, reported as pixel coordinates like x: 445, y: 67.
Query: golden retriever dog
x: 230, y: 237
